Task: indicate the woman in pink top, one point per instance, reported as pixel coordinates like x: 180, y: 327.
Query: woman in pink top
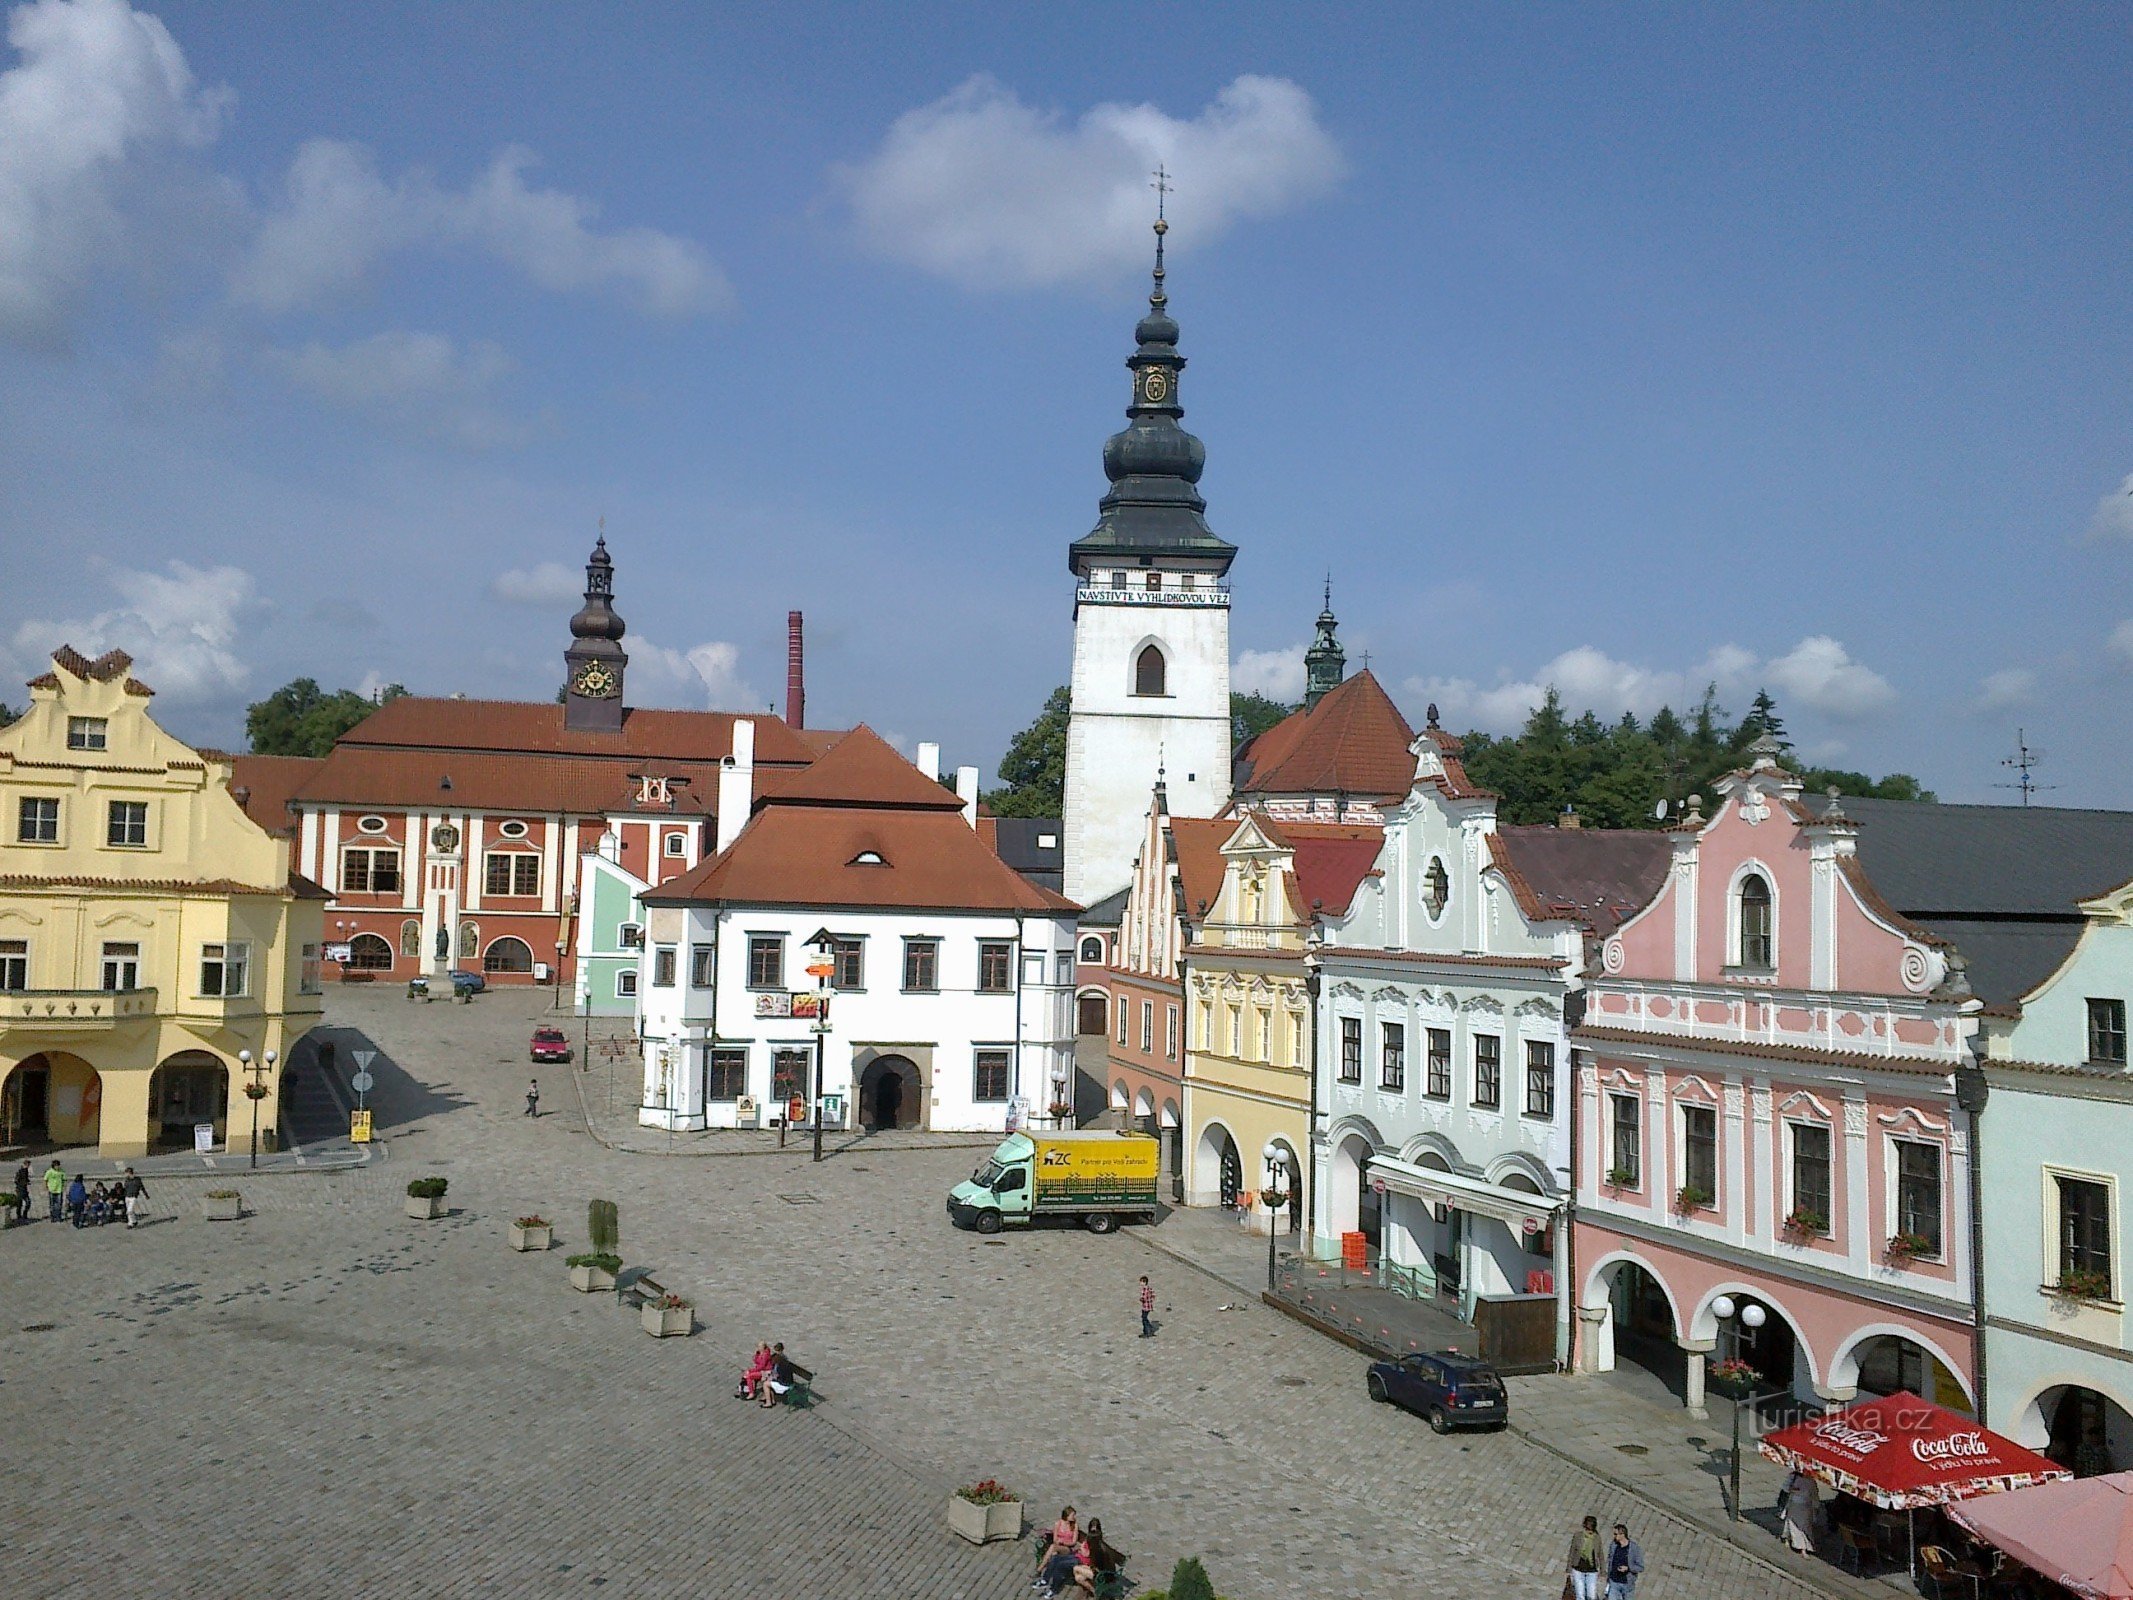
x: 756, y: 1369
x: 1065, y: 1541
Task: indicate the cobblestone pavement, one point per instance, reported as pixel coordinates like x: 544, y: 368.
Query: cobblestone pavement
x: 328, y: 1398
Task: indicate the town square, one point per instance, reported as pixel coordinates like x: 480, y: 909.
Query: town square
x: 694, y: 900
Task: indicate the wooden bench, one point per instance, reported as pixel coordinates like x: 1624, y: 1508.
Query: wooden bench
x: 640, y: 1290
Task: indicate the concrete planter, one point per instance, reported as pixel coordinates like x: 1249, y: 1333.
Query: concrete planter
x: 667, y: 1322
x: 592, y: 1280
x: 523, y: 1238
x: 423, y: 1208
x: 222, y: 1207
x: 984, y: 1524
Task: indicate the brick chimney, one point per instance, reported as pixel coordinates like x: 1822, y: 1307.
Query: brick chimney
x: 795, y: 673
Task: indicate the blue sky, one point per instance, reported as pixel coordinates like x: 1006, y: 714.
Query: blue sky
x: 1623, y: 348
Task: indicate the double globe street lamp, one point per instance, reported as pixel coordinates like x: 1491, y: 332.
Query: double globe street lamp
x: 1276, y: 1196
x: 256, y: 1090
x: 1739, y: 1389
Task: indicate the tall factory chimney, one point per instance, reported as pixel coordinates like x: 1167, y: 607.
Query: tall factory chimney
x: 795, y: 673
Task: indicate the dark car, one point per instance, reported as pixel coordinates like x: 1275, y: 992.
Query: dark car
x: 1449, y: 1389
x: 469, y: 983
x: 550, y: 1044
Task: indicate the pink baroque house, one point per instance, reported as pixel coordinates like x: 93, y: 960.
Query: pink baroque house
x: 1767, y: 1118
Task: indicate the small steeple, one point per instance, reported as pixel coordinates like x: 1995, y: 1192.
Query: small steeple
x: 595, y: 662
x: 1325, y: 663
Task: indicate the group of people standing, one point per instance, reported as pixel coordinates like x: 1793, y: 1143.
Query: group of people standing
x: 124, y: 1198
x: 1602, y: 1569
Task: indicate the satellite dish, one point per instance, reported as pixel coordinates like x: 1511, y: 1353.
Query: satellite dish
x: 1659, y: 811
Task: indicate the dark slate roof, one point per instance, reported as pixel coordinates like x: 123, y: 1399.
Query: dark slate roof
x: 1108, y: 912
x: 1020, y: 841
x: 1600, y: 876
x: 2000, y: 883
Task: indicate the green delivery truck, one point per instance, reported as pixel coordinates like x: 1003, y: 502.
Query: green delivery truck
x: 1102, y: 1178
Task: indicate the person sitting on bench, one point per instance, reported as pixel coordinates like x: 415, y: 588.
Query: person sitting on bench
x: 777, y: 1380
x: 1101, y: 1563
x: 754, y: 1375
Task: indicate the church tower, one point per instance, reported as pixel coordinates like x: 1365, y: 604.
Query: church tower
x: 1325, y: 663
x: 1151, y: 628
x: 595, y: 661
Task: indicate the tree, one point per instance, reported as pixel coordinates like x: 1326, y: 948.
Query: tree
x: 1250, y: 715
x: 8, y: 714
x: 1034, y: 768
x: 1763, y: 718
x: 301, y: 719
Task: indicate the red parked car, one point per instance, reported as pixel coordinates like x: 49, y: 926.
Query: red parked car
x: 550, y: 1044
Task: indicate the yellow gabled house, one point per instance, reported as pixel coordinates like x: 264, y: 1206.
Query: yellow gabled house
x: 150, y: 931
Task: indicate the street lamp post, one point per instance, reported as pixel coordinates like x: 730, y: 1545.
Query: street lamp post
x: 256, y: 1090
x: 1736, y: 1317
x: 1276, y: 1196
x: 824, y: 944
x: 1314, y: 958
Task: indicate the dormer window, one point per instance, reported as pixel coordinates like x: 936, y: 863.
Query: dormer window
x: 1149, y: 672
x: 868, y: 858
x: 1436, y: 887
x: 1758, y: 941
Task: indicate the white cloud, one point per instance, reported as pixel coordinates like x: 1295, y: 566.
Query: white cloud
x: 2113, y: 518
x: 180, y: 626
x: 337, y: 219
x: 2120, y: 644
x: 986, y: 190
x: 549, y: 585
x: 1818, y: 673
x: 100, y: 93
x: 2006, y: 690
x: 419, y: 382
x: 707, y: 674
x: 1277, y: 674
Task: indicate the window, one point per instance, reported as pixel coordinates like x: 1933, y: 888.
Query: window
x: 14, y: 964
x: 1810, y: 1175
x: 1092, y: 950
x: 307, y: 977
x: 630, y: 935
x: 1392, y: 1060
x: 411, y: 939
x: 511, y: 872
x: 677, y: 844
x: 1122, y: 1023
x: 2085, y: 1229
x: 663, y: 965
x: 766, y: 961
x: 849, y: 957
x: 626, y: 983
x: 507, y: 955
x: 700, y: 965
x: 2107, y: 1032
x: 1147, y: 1024
x: 1063, y: 968
x: 1263, y: 1035
x: 369, y: 953
x: 1438, y: 1086
x: 1699, y: 1151
x: 87, y: 733
x: 1351, y: 1050
x: 1296, y: 1040
x: 996, y: 966
x: 990, y: 1077
x: 1033, y: 966
x: 788, y: 1077
x: 1205, y: 1016
x: 1155, y: 582
x: 1626, y: 1134
x: 37, y: 820
x: 1236, y: 1030
x: 1757, y: 944
x: 1436, y: 888
x: 224, y: 970
x: 370, y: 872
x: 1540, y: 1078
x: 922, y: 966
x: 1918, y: 1193
x: 370, y: 825
x: 122, y: 967
x: 1170, y: 1033
x: 727, y: 1076
x: 1148, y: 671
x: 1488, y: 1071
x: 126, y: 826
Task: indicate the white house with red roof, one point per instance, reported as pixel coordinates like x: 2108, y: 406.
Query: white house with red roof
x: 950, y: 1004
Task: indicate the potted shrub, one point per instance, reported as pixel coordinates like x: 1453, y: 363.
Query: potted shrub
x: 1905, y: 1248
x: 425, y: 1198
x: 1690, y: 1197
x: 596, y: 1268
x: 531, y: 1233
x: 1803, y: 1223
x: 984, y: 1511
x: 668, y: 1316
x: 2080, y: 1283
x: 1621, y: 1178
x: 222, y: 1205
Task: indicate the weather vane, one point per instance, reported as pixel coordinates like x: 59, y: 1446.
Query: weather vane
x: 1162, y: 188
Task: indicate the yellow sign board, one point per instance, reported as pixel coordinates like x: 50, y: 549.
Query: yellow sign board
x: 359, y: 1127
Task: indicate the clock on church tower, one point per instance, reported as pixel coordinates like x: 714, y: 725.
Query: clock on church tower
x: 595, y: 662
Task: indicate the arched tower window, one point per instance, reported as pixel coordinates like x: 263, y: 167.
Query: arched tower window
x: 1148, y: 671
x: 1758, y: 943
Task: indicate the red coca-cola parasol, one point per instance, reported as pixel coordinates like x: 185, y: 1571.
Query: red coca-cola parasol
x: 1903, y: 1452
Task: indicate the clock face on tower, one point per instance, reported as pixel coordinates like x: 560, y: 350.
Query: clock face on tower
x: 594, y: 681
x: 1155, y: 386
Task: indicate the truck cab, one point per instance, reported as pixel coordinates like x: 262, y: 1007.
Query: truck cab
x: 999, y: 1192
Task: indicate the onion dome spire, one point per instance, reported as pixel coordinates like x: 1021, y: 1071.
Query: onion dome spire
x: 596, y: 619
x: 1325, y: 663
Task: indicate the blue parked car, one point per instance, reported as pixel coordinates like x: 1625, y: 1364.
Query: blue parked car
x: 468, y: 983
x: 1446, y: 1388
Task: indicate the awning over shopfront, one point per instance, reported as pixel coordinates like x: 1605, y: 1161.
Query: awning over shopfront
x: 1466, y: 1194
x: 2079, y: 1534
x: 1903, y: 1452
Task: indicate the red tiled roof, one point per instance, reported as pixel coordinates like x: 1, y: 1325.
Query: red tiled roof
x: 298, y: 886
x: 863, y: 769
x: 111, y: 664
x: 419, y: 722
x: 1197, y: 843
x: 1864, y: 1060
x: 1353, y: 742
x: 1598, y: 876
x: 269, y: 782
x: 1332, y: 859
x: 480, y: 781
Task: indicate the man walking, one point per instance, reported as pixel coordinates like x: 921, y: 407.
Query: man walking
x: 136, y: 1193
x: 1625, y: 1563
x: 22, y: 1191
x: 1147, y: 1308
x: 55, y: 1188
x: 533, y: 1098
